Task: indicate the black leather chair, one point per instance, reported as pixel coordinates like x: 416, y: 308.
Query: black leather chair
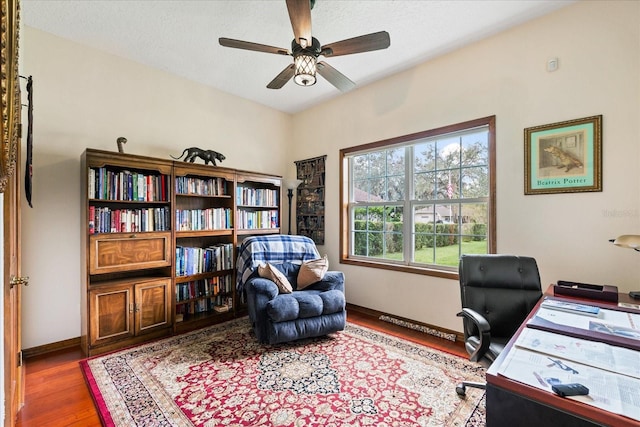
x: 497, y: 294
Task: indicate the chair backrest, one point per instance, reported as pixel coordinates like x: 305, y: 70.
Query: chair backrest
x: 274, y: 249
x: 502, y: 288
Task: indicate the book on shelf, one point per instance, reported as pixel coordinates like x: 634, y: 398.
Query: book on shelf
x: 107, y: 220
x: 248, y: 196
x: 197, y: 260
x: 188, y: 185
x: 125, y: 185
x: 203, y: 219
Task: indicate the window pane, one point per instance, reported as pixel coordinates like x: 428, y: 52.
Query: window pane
x: 359, y: 215
x: 393, y: 246
x: 447, y: 214
x: 425, y: 186
x: 475, y: 182
x: 360, y: 243
x: 424, y: 214
x: 475, y: 149
x: 393, y: 218
x: 395, y: 190
x: 361, y: 190
x: 424, y: 157
x: 448, y: 152
x: 448, y: 255
x: 423, y: 252
x: 474, y: 219
x: 360, y: 166
x: 424, y: 218
x: 395, y: 161
x: 377, y: 164
x: 447, y: 184
x: 474, y: 231
x: 377, y: 189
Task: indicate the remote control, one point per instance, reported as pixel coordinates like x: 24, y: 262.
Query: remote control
x: 634, y: 294
x: 573, y: 389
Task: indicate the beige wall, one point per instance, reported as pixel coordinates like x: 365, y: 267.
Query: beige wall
x: 84, y: 98
x: 598, y: 46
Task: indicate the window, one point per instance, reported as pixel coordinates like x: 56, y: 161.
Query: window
x: 416, y: 203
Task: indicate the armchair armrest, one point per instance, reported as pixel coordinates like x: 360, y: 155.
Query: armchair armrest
x: 483, y: 328
x: 331, y: 280
x: 260, y: 285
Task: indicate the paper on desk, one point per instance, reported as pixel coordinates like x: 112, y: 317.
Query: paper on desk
x: 593, y: 353
x: 607, y: 390
x: 610, y: 317
x: 611, y: 322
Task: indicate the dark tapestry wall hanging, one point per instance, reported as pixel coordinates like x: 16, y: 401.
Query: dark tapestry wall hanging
x: 28, y: 169
x: 310, y: 198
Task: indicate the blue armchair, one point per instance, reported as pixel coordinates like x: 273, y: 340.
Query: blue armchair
x: 316, y: 310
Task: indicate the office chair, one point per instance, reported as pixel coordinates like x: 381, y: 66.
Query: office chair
x: 497, y: 293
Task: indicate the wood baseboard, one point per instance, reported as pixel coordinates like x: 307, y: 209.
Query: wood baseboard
x: 28, y: 353
x: 377, y: 314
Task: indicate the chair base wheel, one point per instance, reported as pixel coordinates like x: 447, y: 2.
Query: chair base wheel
x: 461, y: 390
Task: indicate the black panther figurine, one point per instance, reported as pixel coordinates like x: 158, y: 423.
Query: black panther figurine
x: 206, y: 155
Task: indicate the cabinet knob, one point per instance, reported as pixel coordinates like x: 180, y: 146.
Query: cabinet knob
x: 24, y: 280
x: 133, y: 236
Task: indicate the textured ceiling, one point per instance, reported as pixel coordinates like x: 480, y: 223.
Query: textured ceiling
x: 181, y: 37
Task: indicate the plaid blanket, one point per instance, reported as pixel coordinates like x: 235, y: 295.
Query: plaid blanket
x: 274, y: 249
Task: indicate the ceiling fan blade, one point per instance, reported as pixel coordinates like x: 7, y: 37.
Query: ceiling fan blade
x: 239, y: 44
x: 335, y: 77
x: 366, y: 43
x: 282, y: 78
x: 300, y: 17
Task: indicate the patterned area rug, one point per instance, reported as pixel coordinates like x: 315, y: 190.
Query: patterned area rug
x: 220, y: 376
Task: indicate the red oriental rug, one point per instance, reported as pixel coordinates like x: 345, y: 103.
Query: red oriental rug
x: 220, y: 376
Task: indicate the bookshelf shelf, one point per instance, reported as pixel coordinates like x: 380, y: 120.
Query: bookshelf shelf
x: 192, y: 218
x: 258, y: 231
x: 199, y: 276
x: 200, y: 233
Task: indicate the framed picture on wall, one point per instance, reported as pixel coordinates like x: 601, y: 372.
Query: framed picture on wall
x: 564, y: 157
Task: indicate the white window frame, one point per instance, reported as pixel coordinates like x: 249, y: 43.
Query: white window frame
x: 348, y: 205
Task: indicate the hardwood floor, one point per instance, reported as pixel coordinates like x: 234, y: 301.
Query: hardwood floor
x: 56, y: 393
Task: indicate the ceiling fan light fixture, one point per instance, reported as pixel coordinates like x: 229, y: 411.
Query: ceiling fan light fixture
x: 305, y: 69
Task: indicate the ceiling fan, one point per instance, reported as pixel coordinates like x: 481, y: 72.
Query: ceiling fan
x: 306, y: 49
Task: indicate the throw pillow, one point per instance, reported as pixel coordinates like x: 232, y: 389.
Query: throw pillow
x: 270, y: 272
x: 312, y: 271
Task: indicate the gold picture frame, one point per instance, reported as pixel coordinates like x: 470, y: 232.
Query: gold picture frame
x: 10, y: 89
x: 564, y: 157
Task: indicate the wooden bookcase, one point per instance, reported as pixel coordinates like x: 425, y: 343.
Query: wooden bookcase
x: 160, y: 242
x: 258, y: 202
x: 127, y: 250
x: 204, y: 239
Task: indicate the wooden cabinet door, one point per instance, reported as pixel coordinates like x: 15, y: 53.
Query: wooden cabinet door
x: 152, y: 305
x: 118, y: 252
x: 111, y: 309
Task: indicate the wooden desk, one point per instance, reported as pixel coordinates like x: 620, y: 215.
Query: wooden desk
x: 510, y: 403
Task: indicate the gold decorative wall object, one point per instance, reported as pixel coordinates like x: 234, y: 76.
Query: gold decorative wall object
x: 9, y: 89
